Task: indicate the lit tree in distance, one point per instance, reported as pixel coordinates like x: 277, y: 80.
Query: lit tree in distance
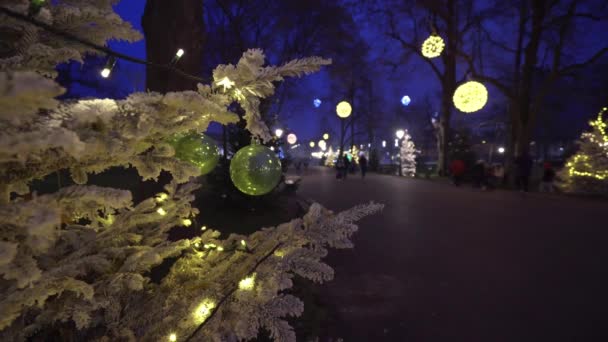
x: 75, y: 264
x: 408, y: 156
x: 587, y: 171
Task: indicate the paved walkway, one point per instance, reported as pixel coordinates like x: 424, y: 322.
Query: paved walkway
x: 454, y: 264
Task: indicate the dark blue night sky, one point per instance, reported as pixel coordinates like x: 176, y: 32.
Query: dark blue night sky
x: 412, y: 78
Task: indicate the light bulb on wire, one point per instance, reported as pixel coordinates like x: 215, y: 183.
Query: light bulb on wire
x: 107, y: 69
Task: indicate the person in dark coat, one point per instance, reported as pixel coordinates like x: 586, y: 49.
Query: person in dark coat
x: 363, y: 165
x: 524, y: 169
x: 457, y: 170
x: 546, y: 184
x: 479, y: 175
x: 346, y: 166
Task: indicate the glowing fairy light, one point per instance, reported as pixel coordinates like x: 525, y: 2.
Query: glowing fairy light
x: 161, y: 197
x: 248, y: 283
x: 432, y: 46
x: 326, y: 136
x: 243, y: 243
x: 161, y: 211
x: 470, y: 97
x: 187, y: 222
x: 405, y: 100
x: 204, y: 228
x: 107, y: 69
x: 179, y: 53
x: 278, y: 132
x: 311, y: 144
x: 202, y: 312
x: 225, y: 82
x: 317, y: 103
x: 173, y: 337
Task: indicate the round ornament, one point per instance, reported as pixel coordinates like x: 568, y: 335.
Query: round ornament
x: 255, y: 170
x: 432, y: 46
x: 343, y: 109
x: 470, y: 97
x: 198, y: 149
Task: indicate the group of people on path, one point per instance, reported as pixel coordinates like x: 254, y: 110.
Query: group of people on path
x: 489, y: 177
x: 344, y: 164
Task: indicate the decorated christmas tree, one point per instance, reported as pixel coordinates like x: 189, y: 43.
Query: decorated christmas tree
x: 330, y: 158
x: 77, y: 263
x: 408, y: 156
x: 586, y: 172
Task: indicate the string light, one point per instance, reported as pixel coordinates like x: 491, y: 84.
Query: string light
x: 204, y: 228
x: 203, y: 310
x: 220, y: 249
x: 326, y: 136
x: 107, y: 70
x: 187, y: 222
x: 278, y: 132
x: 161, y: 197
x: 225, y: 82
x: 470, y: 97
x: 432, y: 46
x: 322, y: 144
x: 243, y: 243
x: 311, y: 144
x: 179, y: 53
x: 173, y: 337
x: 161, y: 211
x: 581, y: 160
x: 248, y: 283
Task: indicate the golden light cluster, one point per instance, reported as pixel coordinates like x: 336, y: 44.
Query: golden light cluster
x: 432, y: 46
x: 343, y: 109
x: 581, y: 161
x: 470, y: 97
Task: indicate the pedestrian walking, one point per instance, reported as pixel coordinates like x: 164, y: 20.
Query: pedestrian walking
x: 339, y: 168
x: 363, y: 165
x: 346, y: 161
x: 524, y: 168
x: 479, y: 175
x: 457, y: 169
x: 546, y: 184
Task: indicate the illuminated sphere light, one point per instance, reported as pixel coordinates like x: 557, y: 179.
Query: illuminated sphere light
x: 198, y: 149
x: 292, y: 139
x: 311, y: 144
x: 255, y: 170
x: 326, y: 136
x: 470, y: 97
x: 501, y: 150
x: 406, y: 100
x: 278, y: 132
x: 343, y: 109
x: 432, y: 46
x: 322, y: 144
x: 317, y: 103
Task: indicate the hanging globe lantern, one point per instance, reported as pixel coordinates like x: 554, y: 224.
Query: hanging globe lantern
x: 291, y: 138
x: 255, y: 170
x: 343, y: 109
x: 470, y: 97
x: 198, y: 149
x: 322, y: 145
x: 432, y: 46
x: 326, y: 136
x: 311, y: 144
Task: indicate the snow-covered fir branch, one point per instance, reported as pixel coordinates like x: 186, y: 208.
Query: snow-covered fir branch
x: 78, y: 261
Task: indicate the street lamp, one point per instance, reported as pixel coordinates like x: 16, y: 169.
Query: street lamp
x: 400, y: 134
x: 278, y: 132
x: 326, y: 136
x: 501, y: 150
x: 311, y: 144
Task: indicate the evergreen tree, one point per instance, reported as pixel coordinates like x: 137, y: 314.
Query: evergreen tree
x: 77, y: 263
x: 587, y: 171
x: 408, y: 156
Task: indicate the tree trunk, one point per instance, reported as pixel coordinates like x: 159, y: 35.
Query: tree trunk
x: 448, y: 86
x: 169, y: 26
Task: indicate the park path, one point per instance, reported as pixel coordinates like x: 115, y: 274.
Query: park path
x: 442, y: 263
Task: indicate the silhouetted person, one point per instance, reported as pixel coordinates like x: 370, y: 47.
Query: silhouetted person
x: 479, y: 175
x: 524, y: 168
x: 457, y: 170
x: 363, y: 165
x: 346, y: 165
x: 546, y: 184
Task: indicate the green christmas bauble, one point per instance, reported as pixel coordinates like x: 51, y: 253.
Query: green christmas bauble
x: 255, y: 170
x: 197, y: 149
